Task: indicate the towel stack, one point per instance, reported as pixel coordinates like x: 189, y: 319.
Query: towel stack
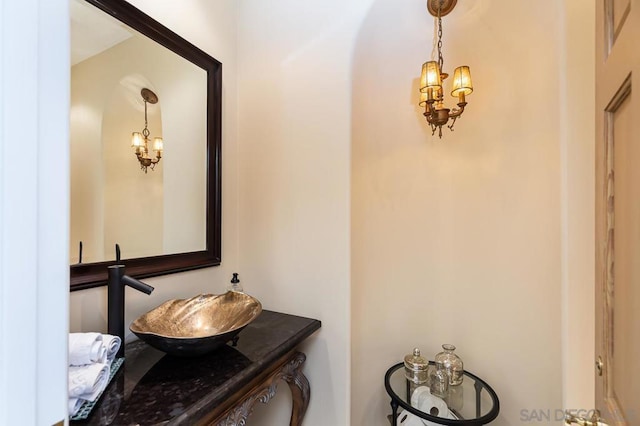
x: 90, y: 358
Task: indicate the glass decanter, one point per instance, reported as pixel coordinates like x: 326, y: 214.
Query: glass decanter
x: 451, y: 363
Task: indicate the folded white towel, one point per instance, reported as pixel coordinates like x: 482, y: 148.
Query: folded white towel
x: 86, y: 348
x: 112, y: 345
x: 88, y: 381
x: 74, y: 405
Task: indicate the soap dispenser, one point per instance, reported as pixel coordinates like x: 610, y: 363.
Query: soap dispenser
x: 235, y: 284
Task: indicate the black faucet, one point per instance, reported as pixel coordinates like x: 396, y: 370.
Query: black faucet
x: 115, y: 301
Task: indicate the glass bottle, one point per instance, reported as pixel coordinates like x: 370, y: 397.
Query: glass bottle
x: 451, y: 363
x: 439, y: 381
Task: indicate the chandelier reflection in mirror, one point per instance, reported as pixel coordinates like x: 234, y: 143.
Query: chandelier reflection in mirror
x: 431, y: 88
x: 140, y: 141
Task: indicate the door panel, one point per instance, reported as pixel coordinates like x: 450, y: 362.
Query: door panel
x: 618, y: 211
x: 619, y: 314
x: 616, y: 15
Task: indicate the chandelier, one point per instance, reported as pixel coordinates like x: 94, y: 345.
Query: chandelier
x: 431, y: 89
x: 140, y: 141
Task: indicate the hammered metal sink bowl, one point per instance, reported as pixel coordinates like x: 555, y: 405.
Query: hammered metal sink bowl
x: 196, y: 326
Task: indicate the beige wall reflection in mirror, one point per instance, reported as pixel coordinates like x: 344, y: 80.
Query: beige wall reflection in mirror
x: 112, y: 200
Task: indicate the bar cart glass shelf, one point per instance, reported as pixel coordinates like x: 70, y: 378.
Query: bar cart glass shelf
x: 471, y: 403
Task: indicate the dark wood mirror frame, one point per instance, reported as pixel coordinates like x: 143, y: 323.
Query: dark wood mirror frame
x: 89, y: 275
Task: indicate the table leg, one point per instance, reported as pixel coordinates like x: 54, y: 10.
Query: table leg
x: 394, y: 412
x: 299, y: 385
x: 478, y: 387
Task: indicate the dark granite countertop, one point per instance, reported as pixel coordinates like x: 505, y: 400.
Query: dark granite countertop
x: 154, y: 388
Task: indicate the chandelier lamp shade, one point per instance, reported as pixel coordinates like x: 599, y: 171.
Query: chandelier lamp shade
x: 432, y: 78
x: 140, y: 140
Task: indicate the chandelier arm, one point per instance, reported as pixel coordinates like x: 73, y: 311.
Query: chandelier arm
x: 450, y: 126
x: 457, y: 112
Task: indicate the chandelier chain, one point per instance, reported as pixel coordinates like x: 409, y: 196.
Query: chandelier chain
x: 145, y: 131
x: 440, y: 59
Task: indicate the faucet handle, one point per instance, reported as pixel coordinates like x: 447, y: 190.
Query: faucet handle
x: 137, y: 284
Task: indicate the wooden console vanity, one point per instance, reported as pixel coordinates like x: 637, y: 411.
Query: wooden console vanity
x: 216, y: 389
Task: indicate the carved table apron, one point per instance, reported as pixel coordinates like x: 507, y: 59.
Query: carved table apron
x: 240, y: 406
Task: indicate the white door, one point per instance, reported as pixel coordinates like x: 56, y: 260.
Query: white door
x: 34, y: 267
x: 618, y: 211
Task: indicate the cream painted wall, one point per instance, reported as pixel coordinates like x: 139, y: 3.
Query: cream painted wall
x: 295, y: 138
x: 457, y: 240
x: 467, y: 239
x: 212, y: 27
x: 475, y: 227
x: 87, y: 213
x: 578, y: 200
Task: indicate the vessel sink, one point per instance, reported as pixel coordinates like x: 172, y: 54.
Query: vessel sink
x: 196, y: 326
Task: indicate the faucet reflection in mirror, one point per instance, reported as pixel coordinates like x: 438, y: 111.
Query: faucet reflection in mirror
x: 140, y: 141
x: 431, y: 89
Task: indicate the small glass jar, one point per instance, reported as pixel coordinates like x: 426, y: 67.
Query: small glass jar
x: 451, y: 363
x: 455, y: 398
x: 439, y: 381
x: 415, y: 370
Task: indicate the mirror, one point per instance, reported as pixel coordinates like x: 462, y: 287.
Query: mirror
x: 131, y: 75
